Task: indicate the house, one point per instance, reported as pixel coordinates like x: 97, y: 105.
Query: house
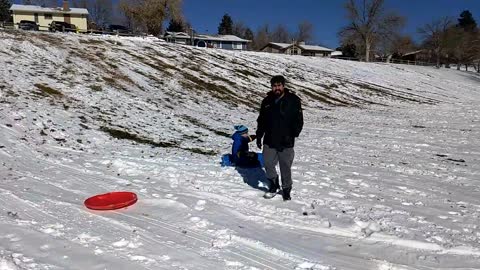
x: 419, y: 55
x: 178, y: 37
x: 228, y: 42
x: 43, y: 16
x: 297, y: 48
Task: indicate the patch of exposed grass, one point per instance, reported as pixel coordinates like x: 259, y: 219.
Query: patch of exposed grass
x: 11, y: 93
x: 48, y: 91
x: 246, y: 72
x: 217, y: 91
x: 15, y: 50
x: 91, y: 41
x: 382, y: 91
x: 112, y: 65
x: 124, y: 135
x: 68, y: 70
x: 321, y: 97
x: 115, y: 84
x: 53, y: 40
x: 201, y: 151
x: 95, y: 87
x: 109, y: 80
x: 161, y: 66
x: 197, y: 123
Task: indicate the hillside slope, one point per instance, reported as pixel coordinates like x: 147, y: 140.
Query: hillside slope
x: 386, y: 173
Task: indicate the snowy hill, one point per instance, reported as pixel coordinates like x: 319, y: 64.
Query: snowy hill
x: 386, y: 174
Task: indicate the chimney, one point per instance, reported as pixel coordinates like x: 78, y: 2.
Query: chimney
x: 65, y: 5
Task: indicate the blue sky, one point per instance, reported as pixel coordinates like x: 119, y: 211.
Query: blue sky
x: 328, y: 16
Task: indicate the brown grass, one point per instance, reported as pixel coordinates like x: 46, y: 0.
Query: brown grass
x: 48, y: 91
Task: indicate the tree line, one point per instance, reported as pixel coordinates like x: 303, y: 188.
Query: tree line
x: 371, y: 30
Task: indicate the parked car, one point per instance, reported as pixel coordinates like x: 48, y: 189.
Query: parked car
x: 28, y: 25
x: 62, y: 27
x: 116, y: 28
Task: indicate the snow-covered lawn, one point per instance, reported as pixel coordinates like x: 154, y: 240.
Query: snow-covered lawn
x: 386, y: 174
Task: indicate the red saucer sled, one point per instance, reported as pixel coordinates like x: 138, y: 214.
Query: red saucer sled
x: 111, y: 201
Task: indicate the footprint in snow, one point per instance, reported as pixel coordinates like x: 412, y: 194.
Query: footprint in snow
x: 53, y: 229
x: 200, y: 205
x: 123, y: 243
x: 200, y: 223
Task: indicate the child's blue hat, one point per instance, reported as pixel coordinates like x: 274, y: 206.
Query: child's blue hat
x: 241, y: 129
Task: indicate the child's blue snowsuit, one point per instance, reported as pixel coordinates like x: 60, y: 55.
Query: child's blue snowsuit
x: 240, y: 154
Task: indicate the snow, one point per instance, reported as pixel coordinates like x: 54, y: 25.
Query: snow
x: 386, y: 173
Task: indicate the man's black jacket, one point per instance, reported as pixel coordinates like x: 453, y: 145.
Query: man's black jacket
x: 280, y: 121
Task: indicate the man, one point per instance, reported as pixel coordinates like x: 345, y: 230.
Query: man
x: 280, y: 121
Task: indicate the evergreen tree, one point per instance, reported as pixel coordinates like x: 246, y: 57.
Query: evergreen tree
x: 249, y: 34
x: 176, y: 26
x: 348, y: 50
x: 467, y: 22
x: 226, y: 25
x: 5, y: 10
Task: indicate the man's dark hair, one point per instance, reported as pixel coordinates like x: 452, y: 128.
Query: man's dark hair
x: 277, y: 79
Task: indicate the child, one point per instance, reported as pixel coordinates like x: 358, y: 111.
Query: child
x: 241, y: 157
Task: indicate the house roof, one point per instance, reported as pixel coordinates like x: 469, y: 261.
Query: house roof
x: 222, y: 38
x: 302, y: 46
x: 281, y: 45
x: 39, y: 9
x: 207, y: 37
x: 177, y: 34
x: 414, y: 52
x: 314, y: 48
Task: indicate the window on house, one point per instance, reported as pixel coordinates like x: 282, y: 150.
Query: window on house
x: 237, y: 45
x: 294, y: 51
x: 48, y: 16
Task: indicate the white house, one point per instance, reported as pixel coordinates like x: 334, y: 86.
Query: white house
x: 297, y: 48
x: 228, y: 42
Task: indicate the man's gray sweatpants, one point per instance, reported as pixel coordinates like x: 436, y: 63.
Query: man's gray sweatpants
x: 272, y: 157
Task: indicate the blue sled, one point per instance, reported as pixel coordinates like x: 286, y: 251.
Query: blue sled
x: 226, y: 162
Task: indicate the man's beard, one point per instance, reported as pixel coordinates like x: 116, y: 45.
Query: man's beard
x: 277, y: 93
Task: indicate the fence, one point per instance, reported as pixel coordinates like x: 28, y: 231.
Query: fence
x: 389, y: 60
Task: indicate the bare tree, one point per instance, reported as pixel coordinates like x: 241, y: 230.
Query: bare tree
x: 369, y: 22
x: 305, y: 32
x: 396, y: 46
x: 262, y: 37
x: 150, y: 14
x: 436, y: 36
x: 239, y: 29
x: 477, y: 51
x: 100, y: 11
x: 281, y: 34
x: 80, y: 3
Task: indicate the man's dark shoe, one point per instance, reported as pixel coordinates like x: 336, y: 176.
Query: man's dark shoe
x: 286, y: 194
x: 274, y: 185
